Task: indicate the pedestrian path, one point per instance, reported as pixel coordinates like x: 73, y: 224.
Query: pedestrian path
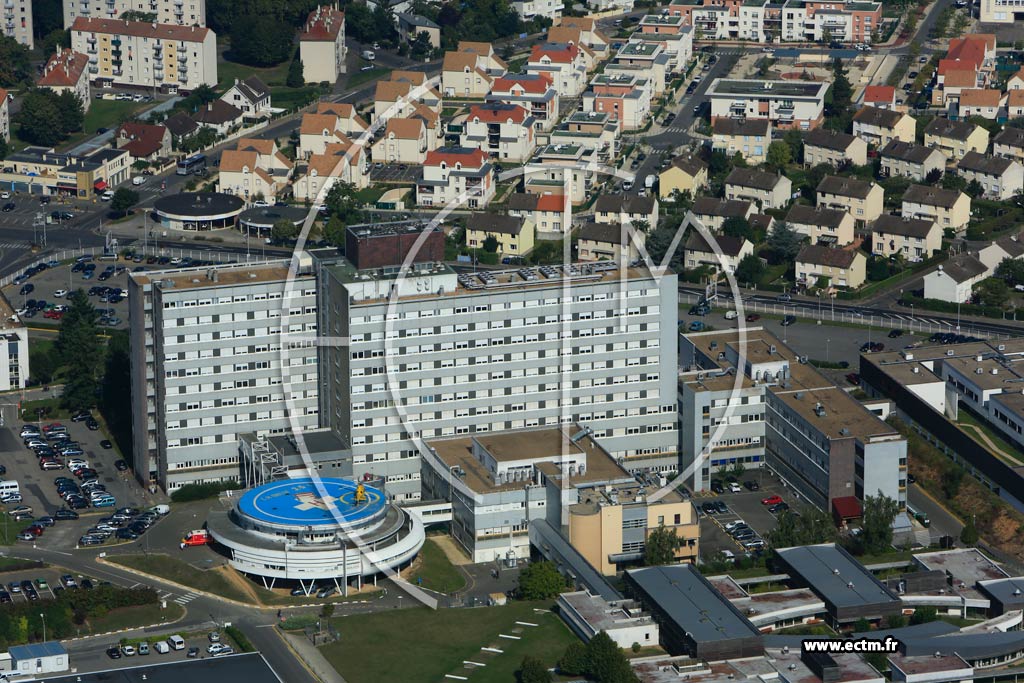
x: 186, y: 598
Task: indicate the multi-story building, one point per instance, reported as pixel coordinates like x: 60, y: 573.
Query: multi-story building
x: 685, y: 174
x: 787, y: 104
x: 1001, y: 11
x: 818, y: 265
x: 986, y: 103
x: 255, y: 170
x: 747, y: 137
x: 879, y: 127
x: 1009, y: 143
x: 910, y: 160
x: 643, y: 59
x: 954, y: 280
x: 471, y: 70
x: 626, y: 209
x: 862, y: 199
x: 322, y: 45
x: 678, y: 47
x: 548, y: 9
x: 626, y: 97
x: 14, y: 374
x: 767, y: 21
x: 713, y: 212
x: 591, y: 130
x: 565, y: 169
x: 17, y: 21
x: 163, y: 56
x: 514, y: 235
x: 833, y: 227
x: 211, y: 359
x: 180, y: 12
x: 550, y: 213
x: 339, y: 162
x: 5, y: 116
x: 43, y: 171
x: 947, y: 208
x: 563, y: 63
x: 999, y: 177
x: 834, y: 148
x: 436, y: 354
x: 955, y: 138
x: 724, y: 256
x: 533, y: 92
x: 915, y: 239
x: 66, y: 70
x: 767, y: 190
x: 404, y: 141
x: 607, y: 242
x: 456, y: 175
x: 503, y: 131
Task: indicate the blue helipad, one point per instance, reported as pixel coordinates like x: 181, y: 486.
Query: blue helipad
x: 303, y: 502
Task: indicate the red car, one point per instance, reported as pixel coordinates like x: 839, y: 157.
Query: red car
x: 753, y: 317
x: 35, y: 530
x: 771, y: 500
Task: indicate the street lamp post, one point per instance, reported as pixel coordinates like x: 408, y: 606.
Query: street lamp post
x: 43, y: 617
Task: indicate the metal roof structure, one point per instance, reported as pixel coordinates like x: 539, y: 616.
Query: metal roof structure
x: 50, y: 648
x: 836, y: 577
x: 240, y: 668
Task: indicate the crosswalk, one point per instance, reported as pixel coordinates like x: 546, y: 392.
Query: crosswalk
x: 15, y: 245
x: 186, y: 598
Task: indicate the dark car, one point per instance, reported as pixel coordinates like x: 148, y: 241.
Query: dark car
x: 65, y: 514
x: 9, y: 206
x: 27, y: 289
x: 778, y: 507
x: 61, y: 215
x: 752, y: 485
x: 700, y: 309
x: 720, y: 507
x: 81, y: 416
x: 87, y: 584
x: 114, y: 652
x: 92, y: 424
x: 121, y: 465
x: 138, y: 527
x: 753, y: 318
x: 46, y: 521
x: 708, y: 508
x: 716, y: 486
x: 894, y: 334
x: 44, y: 200
x: 853, y: 378
x: 5, y: 597
x: 126, y: 534
x: 193, y: 652
x: 106, y: 444
x: 788, y: 320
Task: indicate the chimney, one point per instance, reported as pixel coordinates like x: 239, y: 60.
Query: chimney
x: 209, y: 106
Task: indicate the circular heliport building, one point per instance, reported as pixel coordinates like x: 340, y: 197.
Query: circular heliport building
x: 310, y: 530
x: 198, y: 211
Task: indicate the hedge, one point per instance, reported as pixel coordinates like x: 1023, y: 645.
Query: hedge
x: 905, y: 274
x: 241, y: 640
x: 951, y: 307
x: 191, y: 492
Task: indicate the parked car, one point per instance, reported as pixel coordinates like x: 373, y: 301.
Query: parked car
x: 751, y: 485
x: 788, y: 320
x: 771, y: 500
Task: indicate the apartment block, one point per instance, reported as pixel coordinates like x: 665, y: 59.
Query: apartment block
x: 793, y: 20
x: 533, y: 92
x: 833, y: 227
x: 180, y: 12
x: 456, y: 175
x: 5, y: 116
x: 65, y: 70
x: 1001, y: 11
x: 747, y: 137
x: 912, y: 161
x: 947, y: 208
x: 862, y: 199
x: 436, y: 355
x: 832, y: 147
x: 955, y: 138
x: 626, y: 97
x: 591, y: 130
x: 211, y: 359
x: 787, y: 104
x: 163, y: 56
x: 915, y: 239
x: 504, y: 131
x: 17, y: 21
x: 322, y: 45
x: 14, y: 374
x: 999, y: 177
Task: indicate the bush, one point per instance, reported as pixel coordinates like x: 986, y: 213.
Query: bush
x: 240, y: 638
x: 191, y: 492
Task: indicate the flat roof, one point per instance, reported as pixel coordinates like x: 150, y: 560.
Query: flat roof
x: 928, y: 664
x: 759, y: 88
x: 240, y: 668
x: 305, y: 502
x: 910, y: 373
x: 969, y: 565
x: 198, y: 204
x: 835, y: 576
x: 692, y: 603
x: 852, y: 668
x: 987, y: 373
x: 835, y: 413
x: 226, y: 275
x: 603, y: 615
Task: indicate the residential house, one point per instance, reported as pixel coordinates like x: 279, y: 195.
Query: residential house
x: 768, y: 190
x: 5, y: 116
x: 143, y: 141
x: 984, y: 102
x: 504, y: 131
x: 1000, y: 177
x: 218, y: 115
x: 864, y: 200
x: 1009, y: 142
x: 713, y: 212
x: 1006, y: 247
x: 410, y: 26
x: 969, y: 63
x: 830, y: 227
x: 181, y: 126
x: 456, y: 176
x: 880, y: 96
x: 625, y: 97
x: 404, y: 142
x: 955, y: 138
x: 251, y: 96
x: 338, y: 162
x: 880, y: 126
x: 1015, y: 104
x: 952, y: 79
x: 948, y: 208
x: 550, y: 214
x: 954, y: 280
x: 606, y: 242
x: 547, y: 9
x: 398, y: 98
x: 910, y: 160
x: 787, y: 104
x: 698, y: 253
x: 471, y: 70
x: 573, y: 35
x: 831, y: 147
x: 241, y: 175
x: 686, y: 174
x: 839, y: 267
x: 515, y: 235
x: 747, y: 137
x: 1016, y: 81
x: 67, y: 70
x: 322, y: 45
x: 645, y: 60
x: 317, y: 130
x: 564, y: 63
x: 626, y: 209
x: 535, y: 92
x: 591, y: 131
x: 348, y: 121
x: 915, y: 239
x: 568, y: 169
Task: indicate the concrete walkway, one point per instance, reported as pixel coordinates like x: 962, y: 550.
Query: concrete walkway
x: 311, y: 657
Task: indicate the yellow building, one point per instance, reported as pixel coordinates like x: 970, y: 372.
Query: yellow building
x: 955, y: 138
x: 685, y: 174
x: 515, y: 235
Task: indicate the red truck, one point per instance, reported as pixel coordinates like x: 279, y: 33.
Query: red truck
x: 196, y: 537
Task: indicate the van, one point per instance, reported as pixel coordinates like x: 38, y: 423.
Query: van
x: 368, y: 55
x: 138, y: 180
x: 162, y: 647
x: 107, y: 196
x: 176, y: 642
x: 8, y: 488
x: 161, y: 509
x: 731, y: 315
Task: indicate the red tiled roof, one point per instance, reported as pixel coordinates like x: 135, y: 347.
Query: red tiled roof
x: 3, y: 97
x: 140, y: 139
x: 64, y: 69
x: 498, y: 113
x: 471, y: 158
x: 190, y: 34
x: 323, y: 24
x: 847, y: 507
x: 554, y: 203
x: 879, y: 93
x: 558, y: 53
x: 971, y: 47
x: 960, y: 79
x: 535, y: 84
x: 980, y: 97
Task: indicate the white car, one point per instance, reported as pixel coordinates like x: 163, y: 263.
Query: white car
x: 128, y: 650
x: 60, y: 293
x: 732, y: 525
x: 5, y: 195
x: 735, y: 488
x: 75, y: 463
x: 215, y: 648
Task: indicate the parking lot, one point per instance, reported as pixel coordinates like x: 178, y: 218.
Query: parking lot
x: 395, y: 173
x: 23, y: 211
x: 744, y: 506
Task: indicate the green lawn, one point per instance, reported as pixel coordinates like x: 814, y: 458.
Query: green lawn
x: 10, y: 564
x: 436, y: 572
x: 134, y: 617
x: 229, y: 71
x: 437, y: 643
x: 360, y: 77
x: 175, y: 570
x: 292, y: 98
x: 9, y: 529
x: 967, y: 417
x: 109, y: 113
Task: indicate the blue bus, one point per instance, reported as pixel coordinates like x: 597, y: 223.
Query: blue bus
x: 193, y: 164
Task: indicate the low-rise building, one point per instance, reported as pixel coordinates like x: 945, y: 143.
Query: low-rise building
x: 251, y: 96
x: 831, y: 147
x: 1009, y: 142
x: 548, y: 9
x: 747, y: 137
x: 534, y: 92
x: 143, y: 141
x: 954, y: 280
x: 341, y: 161
x: 566, y: 169
x: 255, y: 169
x: 915, y: 239
x: 787, y: 104
x: 348, y: 121
x: 404, y: 142
x: 218, y: 115
x: 686, y: 174
x: 317, y: 131
x: 831, y: 227
x: 699, y: 253
x: 322, y: 45
x: 44, y: 171
x: 182, y: 126
x: 410, y: 26
x: 984, y: 102
x: 713, y: 212
x: 622, y: 620
x: 955, y: 138
x: 948, y: 208
x: 626, y: 209
x: 514, y: 235
x: 838, y: 267
x: 504, y: 131
x: 456, y: 176
x: 608, y: 242
x: 551, y: 213
x: 999, y: 177
x: 592, y: 131
x: 66, y: 70
x: 768, y: 190
x: 643, y: 59
x: 864, y: 200
x: 911, y: 160
x: 881, y: 96
x: 878, y: 126
x: 625, y: 97
x: 564, y: 63
x: 471, y: 70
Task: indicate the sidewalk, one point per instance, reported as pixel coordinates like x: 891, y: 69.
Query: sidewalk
x: 311, y: 657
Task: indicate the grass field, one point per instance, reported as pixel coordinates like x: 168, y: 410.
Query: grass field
x: 360, y: 77
x: 173, y: 569
x: 9, y: 529
x: 109, y: 113
x: 438, y: 642
x: 436, y: 572
x: 134, y: 617
x: 229, y: 71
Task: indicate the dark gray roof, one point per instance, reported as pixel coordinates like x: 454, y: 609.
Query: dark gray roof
x: 932, y: 196
x: 1011, y: 136
x: 874, y: 116
x: 217, y: 112
x: 35, y: 650
x: 908, y: 151
x: 811, y: 215
x: 609, y: 233
x: 835, y: 576
x: 1003, y: 589
x: 727, y: 208
x: 903, y: 225
x: 240, y: 668
x: 689, y: 164
x: 730, y: 246
x: 416, y: 20
x: 845, y: 187
x: 724, y: 126
x: 826, y: 256
x: 829, y: 139
x: 969, y: 646
x: 181, y: 124
x: 495, y: 222
x: 692, y: 603
x: 253, y: 88
x: 979, y: 163
x: 958, y: 130
x: 1012, y: 245
x: 963, y: 267
x: 750, y: 177
x: 628, y: 203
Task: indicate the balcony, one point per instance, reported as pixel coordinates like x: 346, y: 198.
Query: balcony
x: 181, y: 48
x: 116, y: 41
x: 91, y: 40
x: 9, y: 4
x: 116, y: 72
x: 182, y: 59
x: 94, y: 69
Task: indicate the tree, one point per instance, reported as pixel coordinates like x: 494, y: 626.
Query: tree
x: 78, y: 345
x: 641, y: 226
x: 284, y: 230
x: 750, y: 269
x: 923, y: 615
x: 839, y: 99
x: 951, y: 480
x: 737, y: 226
x: 72, y: 113
x: 124, y: 199
x: 992, y: 292
x: 896, y: 621
x: 540, y: 581
x: 39, y: 120
x: 952, y: 181
x: 660, y: 547
x: 779, y: 155
x: 47, y: 17
x: 15, y: 67
x: 54, y: 41
x: 532, y: 670
x: 342, y: 201
x: 491, y: 244
x: 879, y: 513
x: 810, y: 527
x: 334, y: 231
x: 606, y: 662
x: 934, y: 176
x: 878, y: 268
x: 295, y: 76
x: 421, y: 47
x: 969, y: 534
x: 257, y: 40
x: 203, y: 138
x: 134, y: 15
x: 796, y: 144
x: 862, y: 625
x: 574, y: 660
x: 1011, y: 270
x: 785, y: 241
x: 974, y: 189
x: 4, y: 149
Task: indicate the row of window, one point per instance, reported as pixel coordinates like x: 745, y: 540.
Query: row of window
x: 237, y: 298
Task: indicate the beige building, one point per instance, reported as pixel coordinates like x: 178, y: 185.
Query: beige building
x: 686, y: 174
x: 698, y: 253
x: 1009, y: 143
x: 404, y: 142
x: 862, y: 199
x: 915, y: 239
x: 983, y: 102
x: 250, y: 96
x: 822, y: 146
x: 515, y: 236
x: 749, y: 138
x: 947, y: 208
x: 832, y: 227
x: 255, y: 169
x: 879, y: 126
x: 134, y: 53
x: 339, y: 162
x: 5, y: 116
x: 322, y: 45
x: 180, y: 12
x: 410, y: 26
x: 999, y: 177
x: 841, y: 267
x: 67, y: 70
x: 564, y: 63
x: 767, y: 190
x: 17, y: 21
x: 551, y: 213
x: 349, y: 122
x: 605, y: 242
x: 626, y: 209
x: 912, y: 161
x: 713, y: 212
x: 316, y: 131
x: 955, y: 138
x: 471, y: 70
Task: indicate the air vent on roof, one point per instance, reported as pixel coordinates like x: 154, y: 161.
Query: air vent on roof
x: 949, y: 352
x: 1001, y: 347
